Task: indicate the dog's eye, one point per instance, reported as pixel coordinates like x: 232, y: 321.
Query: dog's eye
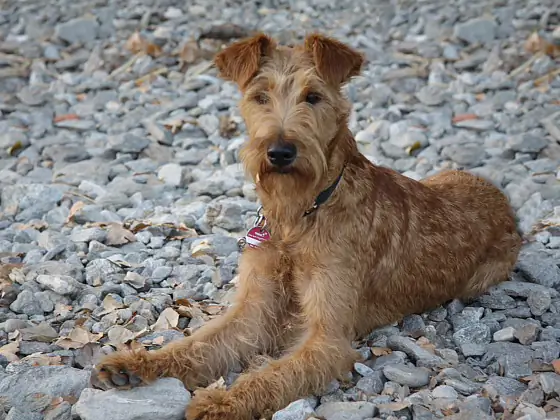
x: 312, y: 98
x: 261, y: 98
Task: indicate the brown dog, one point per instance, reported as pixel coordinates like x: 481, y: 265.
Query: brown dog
x: 352, y: 246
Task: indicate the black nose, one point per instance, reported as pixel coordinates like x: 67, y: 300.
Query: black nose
x: 282, y: 154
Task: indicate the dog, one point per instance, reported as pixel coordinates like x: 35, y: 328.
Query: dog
x: 345, y: 246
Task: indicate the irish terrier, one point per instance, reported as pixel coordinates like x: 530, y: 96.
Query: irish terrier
x: 347, y: 246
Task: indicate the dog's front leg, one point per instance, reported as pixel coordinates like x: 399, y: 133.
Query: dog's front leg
x: 250, y: 326
x: 324, y: 352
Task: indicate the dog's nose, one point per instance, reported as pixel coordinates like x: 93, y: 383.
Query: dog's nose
x: 282, y: 154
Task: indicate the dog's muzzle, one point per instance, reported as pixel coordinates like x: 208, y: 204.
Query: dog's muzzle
x: 282, y: 154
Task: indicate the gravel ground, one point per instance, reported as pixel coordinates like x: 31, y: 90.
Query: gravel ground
x: 122, y: 196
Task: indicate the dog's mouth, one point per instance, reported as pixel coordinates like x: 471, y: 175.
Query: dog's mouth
x: 282, y: 170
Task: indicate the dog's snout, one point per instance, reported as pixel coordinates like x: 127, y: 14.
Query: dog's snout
x: 282, y: 154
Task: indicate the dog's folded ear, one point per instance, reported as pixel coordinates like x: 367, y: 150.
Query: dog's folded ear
x: 336, y: 62
x: 241, y: 60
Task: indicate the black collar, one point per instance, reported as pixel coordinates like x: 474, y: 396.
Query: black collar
x: 324, y: 195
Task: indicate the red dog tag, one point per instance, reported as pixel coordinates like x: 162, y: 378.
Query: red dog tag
x: 256, y: 236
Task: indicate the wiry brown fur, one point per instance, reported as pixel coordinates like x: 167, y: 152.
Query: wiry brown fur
x: 383, y: 245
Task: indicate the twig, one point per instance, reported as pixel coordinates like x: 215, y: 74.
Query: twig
x: 516, y: 72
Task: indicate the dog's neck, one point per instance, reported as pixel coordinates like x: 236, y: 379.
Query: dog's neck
x: 286, y: 204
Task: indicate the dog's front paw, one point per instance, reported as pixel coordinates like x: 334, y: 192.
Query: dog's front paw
x: 123, y: 370
x: 215, y: 404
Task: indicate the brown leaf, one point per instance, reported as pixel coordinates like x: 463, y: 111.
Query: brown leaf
x: 38, y: 359
x: 167, y: 320
x: 464, y: 117
x: 89, y: 355
x: 111, y: 304
x: 118, y: 235
x: 78, y: 338
x: 228, y: 127
x: 556, y: 366
x: 537, y: 44
x: 183, y: 302
x: 66, y: 117
x: 380, y: 351
x: 158, y: 341
x: 119, y: 335
x: 219, y: 384
x: 189, y: 52
x: 76, y: 207
x: 138, y: 44
x: 9, y: 351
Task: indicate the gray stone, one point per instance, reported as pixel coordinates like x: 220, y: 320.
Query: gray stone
x: 472, y: 334
x: 98, y: 270
x: 26, y: 303
x: 406, y: 375
x: 505, y: 334
x: 166, y: 398
x: 79, y: 30
x: 431, y: 95
x: 422, y: 356
x: 128, y: 143
x: 527, y: 143
x: 171, y: 174
x: 550, y: 383
x: 445, y: 391
x: 527, y: 334
x: 371, y: 384
x: 359, y: 410
x: 504, y: 387
x: 298, y: 410
x: 17, y: 414
x: 539, y: 269
x: 63, y: 285
x: 54, y: 381
x: 479, y: 30
x: 539, y: 301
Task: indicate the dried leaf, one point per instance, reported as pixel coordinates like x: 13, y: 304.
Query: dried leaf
x: 14, y: 148
x: 537, y: 44
x: 76, y: 207
x: 380, y: 351
x: 411, y: 149
x: 556, y: 366
x: 158, y: 341
x: 138, y: 44
x: 78, y: 338
x: 189, y: 52
x: 9, y: 351
x: 119, y: 335
x: 66, y: 117
x: 219, y: 384
x: 228, y: 127
x: 213, y: 309
x: 88, y: 355
x: 118, y: 235
x: 464, y: 117
x: 183, y: 302
x: 38, y: 359
x: 168, y: 319
x: 111, y: 304
x: 61, y: 309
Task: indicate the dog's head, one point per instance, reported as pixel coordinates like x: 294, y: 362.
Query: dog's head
x: 292, y: 104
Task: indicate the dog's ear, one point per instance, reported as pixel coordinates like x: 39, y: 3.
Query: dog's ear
x: 241, y: 60
x: 336, y: 62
